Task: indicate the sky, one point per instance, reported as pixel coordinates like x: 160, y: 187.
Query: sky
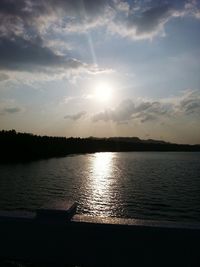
x: 101, y: 68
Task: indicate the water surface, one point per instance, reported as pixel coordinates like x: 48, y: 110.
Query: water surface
x: 148, y: 185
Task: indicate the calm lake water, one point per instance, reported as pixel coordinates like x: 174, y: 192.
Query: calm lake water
x: 149, y: 185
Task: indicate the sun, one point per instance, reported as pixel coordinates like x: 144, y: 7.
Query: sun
x: 103, y: 92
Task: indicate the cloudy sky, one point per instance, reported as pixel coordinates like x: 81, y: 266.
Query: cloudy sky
x: 101, y: 68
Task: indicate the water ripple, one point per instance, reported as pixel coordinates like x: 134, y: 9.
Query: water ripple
x: 153, y: 185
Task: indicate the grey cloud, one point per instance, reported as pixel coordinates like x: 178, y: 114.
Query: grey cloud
x: 186, y: 104
x: 23, y: 25
x: 127, y: 111
x: 148, y: 117
x: 77, y: 7
x: 22, y: 16
x: 124, y: 111
x: 190, y: 104
x: 27, y: 17
x: 158, y: 108
x: 143, y: 106
x: 193, y: 107
x: 148, y: 111
x: 76, y: 116
x: 12, y: 7
x: 22, y: 43
x: 104, y: 116
x: 26, y: 14
x: 149, y: 20
x: 3, y: 77
x: 20, y: 54
x: 121, y: 114
x: 18, y: 51
x: 10, y: 110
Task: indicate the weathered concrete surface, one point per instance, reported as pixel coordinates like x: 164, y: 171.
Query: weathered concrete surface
x: 89, y: 241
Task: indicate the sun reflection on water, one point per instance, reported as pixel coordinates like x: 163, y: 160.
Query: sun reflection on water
x: 102, y: 166
x: 101, y: 179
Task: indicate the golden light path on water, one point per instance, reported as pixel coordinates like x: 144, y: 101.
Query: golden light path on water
x: 100, y: 182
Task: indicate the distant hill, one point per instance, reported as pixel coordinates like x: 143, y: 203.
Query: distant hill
x: 137, y: 140
x: 17, y: 147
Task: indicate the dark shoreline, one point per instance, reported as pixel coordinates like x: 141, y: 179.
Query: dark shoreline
x: 23, y: 147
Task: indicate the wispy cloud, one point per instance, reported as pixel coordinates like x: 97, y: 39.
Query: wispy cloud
x: 76, y: 116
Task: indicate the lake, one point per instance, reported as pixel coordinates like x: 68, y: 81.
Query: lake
x: 147, y: 185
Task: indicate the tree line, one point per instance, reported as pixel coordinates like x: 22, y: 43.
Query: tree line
x: 17, y: 147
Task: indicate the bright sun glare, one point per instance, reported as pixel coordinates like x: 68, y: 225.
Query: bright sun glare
x: 103, y: 92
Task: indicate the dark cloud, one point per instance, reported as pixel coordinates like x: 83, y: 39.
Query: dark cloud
x: 12, y: 7
x: 20, y: 54
x: 25, y: 25
x: 76, y: 116
x: 22, y: 43
x: 32, y: 14
x: 150, y: 19
x: 146, y: 19
x: 29, y: 16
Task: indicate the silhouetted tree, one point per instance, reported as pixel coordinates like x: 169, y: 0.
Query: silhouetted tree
x: 24, y: 146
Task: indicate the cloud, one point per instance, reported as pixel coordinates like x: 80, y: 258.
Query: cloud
x: 145, y: 22
x: 20, y: 54
x: 76, y: 116
x: 190, y: 103
x: 9, y: 106
x: 150, y: 21
x: 19, y: 16
x: 24, y: 41
x: 193, y: 8
x: 122, y: 113
x: 187, y: 104
x: 128, y: 110
x: 3, y: 77
x: 10, y: 110
x: 139, y: 18
x: 27, y: 28
x: 21, y: 59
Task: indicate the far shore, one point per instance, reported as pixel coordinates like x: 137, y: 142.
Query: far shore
x: 23, y: 147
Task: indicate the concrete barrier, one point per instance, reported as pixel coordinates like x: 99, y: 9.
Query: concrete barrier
x: 95, y: 241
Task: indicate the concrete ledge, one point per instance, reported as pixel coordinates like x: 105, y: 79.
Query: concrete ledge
x: 88, y: 241
x: 17, y: 215
x: 57, y: 211
x: 134, y: 222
